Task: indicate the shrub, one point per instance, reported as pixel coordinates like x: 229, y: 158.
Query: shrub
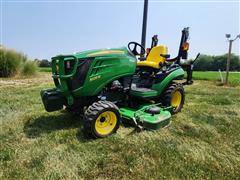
x: 13, y: 62
x: 29, y: 68
x: 10, y: 62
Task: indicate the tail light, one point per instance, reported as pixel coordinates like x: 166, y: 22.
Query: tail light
x: 185, y: 46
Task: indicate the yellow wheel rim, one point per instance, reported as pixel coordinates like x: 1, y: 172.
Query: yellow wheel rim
x: 106, y: 122
x: 176, y: 99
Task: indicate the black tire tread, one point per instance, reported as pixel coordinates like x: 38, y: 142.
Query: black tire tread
x: 92, y: 113
x: 167, y: 95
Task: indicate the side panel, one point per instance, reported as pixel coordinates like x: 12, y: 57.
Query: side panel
x: 103, y: 71
x: 159, y: 87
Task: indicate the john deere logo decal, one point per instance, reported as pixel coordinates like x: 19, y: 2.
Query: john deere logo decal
x: 95, y: 78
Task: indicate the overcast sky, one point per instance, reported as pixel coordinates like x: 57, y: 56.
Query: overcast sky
x: 43, y: 29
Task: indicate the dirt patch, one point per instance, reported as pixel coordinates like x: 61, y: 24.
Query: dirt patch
x: 41, y: 78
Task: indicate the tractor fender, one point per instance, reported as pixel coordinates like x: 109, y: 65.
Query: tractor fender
x: 161, y: 86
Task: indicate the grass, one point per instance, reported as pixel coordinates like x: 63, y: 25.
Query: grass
x: 202, y: 142
x: 234, y: 77
x: 44, y: 69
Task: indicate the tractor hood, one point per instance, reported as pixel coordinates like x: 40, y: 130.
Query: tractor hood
x: 122, y: 51
x: 71, y: 72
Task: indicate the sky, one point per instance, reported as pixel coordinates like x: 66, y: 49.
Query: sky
x: 43, y: 29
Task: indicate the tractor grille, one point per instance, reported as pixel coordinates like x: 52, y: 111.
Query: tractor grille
x: 79, y: 77
x: 68, y: 66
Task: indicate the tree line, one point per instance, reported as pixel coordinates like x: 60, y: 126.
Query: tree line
x: 43, y: 62
x: 214, y: 63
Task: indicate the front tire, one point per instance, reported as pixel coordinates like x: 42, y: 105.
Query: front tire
x: 101, y: 119
x: 174, y: 96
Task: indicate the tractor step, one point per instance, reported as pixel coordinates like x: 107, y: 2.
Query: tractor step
x: 143, y: 92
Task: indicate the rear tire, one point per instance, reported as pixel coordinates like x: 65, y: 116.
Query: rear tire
x: 174, y: 96
x: 101, y: 119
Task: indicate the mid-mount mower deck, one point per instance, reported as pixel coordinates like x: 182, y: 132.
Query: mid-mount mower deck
x: 110, y: 86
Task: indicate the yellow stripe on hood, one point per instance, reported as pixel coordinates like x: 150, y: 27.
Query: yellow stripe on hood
x: 106, y: 52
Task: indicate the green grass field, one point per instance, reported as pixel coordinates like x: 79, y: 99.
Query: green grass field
x: 202, y: 142
x: 234, y: 77
x: 44, y: 69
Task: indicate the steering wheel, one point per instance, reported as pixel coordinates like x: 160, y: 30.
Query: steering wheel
x: 134, y: 49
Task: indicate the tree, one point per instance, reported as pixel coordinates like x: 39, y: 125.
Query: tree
x: 44, y: 63
x: 214, y: 63
x: 204, y: 63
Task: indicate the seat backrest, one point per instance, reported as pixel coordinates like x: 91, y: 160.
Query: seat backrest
x: 154, y: 59
x: 154, y: 55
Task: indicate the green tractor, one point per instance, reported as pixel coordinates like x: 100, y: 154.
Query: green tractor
x: 111, y: 86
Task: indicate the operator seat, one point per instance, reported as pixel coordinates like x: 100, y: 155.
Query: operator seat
x: 154, y: 58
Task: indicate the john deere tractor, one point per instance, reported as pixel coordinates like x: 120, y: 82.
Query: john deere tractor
x: 111, y: 86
